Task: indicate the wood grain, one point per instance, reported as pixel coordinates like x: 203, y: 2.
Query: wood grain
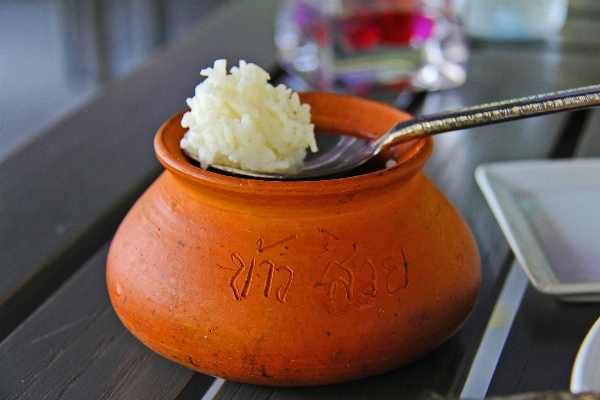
x: 62, y: 196
x: 74, y: 346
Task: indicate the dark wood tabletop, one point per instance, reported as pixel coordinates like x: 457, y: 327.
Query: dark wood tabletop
x: 63, y: 195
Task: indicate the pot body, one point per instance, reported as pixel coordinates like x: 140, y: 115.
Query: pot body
x: 294, y: 283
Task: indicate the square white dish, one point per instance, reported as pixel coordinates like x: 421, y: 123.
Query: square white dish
x: 549, y: 211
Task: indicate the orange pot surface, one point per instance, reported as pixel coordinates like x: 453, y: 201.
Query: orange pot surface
x: 295, y: 283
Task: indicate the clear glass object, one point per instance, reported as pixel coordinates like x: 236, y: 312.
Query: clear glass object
x: 359, y: 46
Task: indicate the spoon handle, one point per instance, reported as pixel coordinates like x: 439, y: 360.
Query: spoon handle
x: 491, y: 113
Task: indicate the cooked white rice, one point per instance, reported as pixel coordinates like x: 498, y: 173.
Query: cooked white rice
x: 241, y: 121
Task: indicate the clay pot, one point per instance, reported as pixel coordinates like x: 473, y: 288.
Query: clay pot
x: 295, y: 283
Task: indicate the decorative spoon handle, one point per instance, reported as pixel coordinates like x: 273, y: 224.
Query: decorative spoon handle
x: 487, y: 114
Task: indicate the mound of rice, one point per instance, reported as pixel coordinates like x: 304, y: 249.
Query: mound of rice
x: 241, y: 121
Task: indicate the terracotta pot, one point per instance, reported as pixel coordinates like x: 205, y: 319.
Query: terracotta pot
x: 295, y: 283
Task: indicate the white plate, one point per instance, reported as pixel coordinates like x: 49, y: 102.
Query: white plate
x: 586, y: 370
x: 549, y: 211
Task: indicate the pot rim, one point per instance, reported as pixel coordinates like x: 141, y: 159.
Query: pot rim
x: 411, y: 156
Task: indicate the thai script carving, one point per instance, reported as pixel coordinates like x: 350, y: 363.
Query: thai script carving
x: 272, y: 268
x: 344, y: 275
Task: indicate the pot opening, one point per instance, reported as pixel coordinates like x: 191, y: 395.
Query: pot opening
x: 331, y: 113
x: 325, y: 142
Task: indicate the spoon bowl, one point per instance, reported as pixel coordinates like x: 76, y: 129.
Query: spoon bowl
x: 345, y: 152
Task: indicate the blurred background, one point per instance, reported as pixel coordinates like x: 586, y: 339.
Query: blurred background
x: 55, y: 54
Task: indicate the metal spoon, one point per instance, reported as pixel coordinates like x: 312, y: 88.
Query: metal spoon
x: 350, y: 152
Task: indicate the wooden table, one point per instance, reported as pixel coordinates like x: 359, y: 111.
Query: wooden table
x: 62, y: 197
